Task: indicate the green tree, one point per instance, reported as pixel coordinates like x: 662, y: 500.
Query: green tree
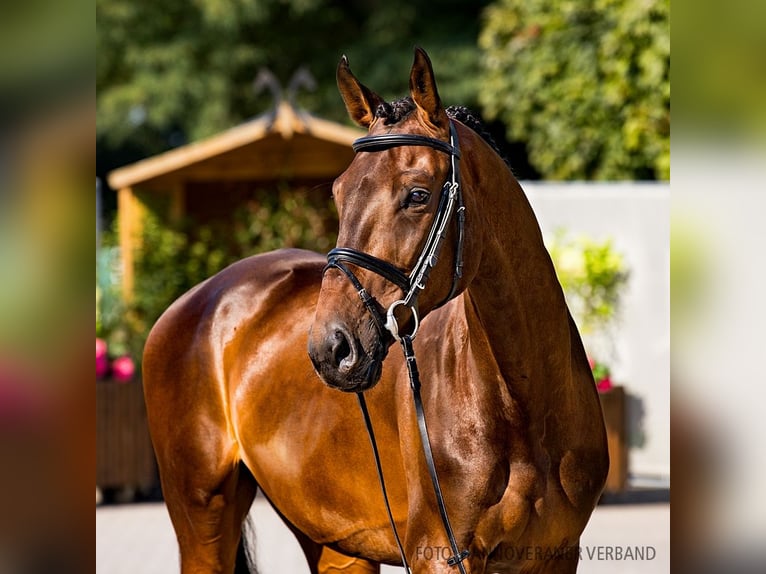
x: 584, y: 83
x: 176, y: 70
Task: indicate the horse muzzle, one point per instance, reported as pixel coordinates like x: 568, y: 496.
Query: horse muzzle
x: 341, y: 360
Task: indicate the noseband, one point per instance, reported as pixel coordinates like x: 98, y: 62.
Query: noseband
x: 451, y: 202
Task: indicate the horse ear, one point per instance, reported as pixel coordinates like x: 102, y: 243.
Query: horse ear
x: 361, y: 102
x: 423, y: 90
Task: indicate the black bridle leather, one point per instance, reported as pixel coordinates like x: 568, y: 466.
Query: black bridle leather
x: 385, y: 141
x: 450, y: 203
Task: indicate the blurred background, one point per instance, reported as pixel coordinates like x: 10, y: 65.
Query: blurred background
x: 220, y: 129
x: 576, y: 93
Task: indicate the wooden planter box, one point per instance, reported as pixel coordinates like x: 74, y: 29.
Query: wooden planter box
x: 613, y: 407
x: 124, y: 453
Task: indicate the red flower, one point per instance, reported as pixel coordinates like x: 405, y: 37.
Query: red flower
x: 604, y: 385
x: 123, y: 369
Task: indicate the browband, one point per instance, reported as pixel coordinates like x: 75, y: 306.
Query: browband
x: 384, y: 141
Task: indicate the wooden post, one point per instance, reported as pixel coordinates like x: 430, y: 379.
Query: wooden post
x: 129, y: 217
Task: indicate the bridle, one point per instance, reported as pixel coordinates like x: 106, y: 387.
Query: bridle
x: 450, y: 203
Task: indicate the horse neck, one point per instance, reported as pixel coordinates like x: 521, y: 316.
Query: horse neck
x: 515, y: 296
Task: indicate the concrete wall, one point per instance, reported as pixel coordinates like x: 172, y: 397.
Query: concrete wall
x: 636, y: 216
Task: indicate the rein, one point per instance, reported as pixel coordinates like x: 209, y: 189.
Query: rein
x: 450, y: 203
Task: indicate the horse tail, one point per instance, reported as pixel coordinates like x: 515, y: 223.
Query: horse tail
x: 245, y: 563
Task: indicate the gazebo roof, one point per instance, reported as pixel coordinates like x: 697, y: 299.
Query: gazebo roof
x: 285, y: 144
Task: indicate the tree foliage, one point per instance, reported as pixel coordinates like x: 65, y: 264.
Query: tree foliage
x: 178, y: 70
x: 584, y: 83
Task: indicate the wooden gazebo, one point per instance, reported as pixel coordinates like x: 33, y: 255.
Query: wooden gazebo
x: 206, y: 177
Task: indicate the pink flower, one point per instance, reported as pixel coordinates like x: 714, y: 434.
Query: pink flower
x: 102, y: 361
x: 123, y: 369
x: 604, y: 385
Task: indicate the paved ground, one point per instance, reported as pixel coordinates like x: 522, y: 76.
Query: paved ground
x: 138, y: 539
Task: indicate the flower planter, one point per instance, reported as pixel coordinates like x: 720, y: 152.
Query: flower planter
x: 613, y: 407
x: 124, y: 453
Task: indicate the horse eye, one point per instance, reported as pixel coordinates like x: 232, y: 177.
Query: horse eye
x: 418, y: 196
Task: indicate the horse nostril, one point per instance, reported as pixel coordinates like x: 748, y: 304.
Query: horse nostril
x: 341, y: 351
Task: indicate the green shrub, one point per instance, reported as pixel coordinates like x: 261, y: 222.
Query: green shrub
x: 593, y: 276
x: 585, y: 85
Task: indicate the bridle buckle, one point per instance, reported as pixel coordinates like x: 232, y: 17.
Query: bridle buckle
x: 392, y: 325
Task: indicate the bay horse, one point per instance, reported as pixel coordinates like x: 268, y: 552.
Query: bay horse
x: 235, y: 403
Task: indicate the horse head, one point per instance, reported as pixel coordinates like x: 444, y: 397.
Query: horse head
x: 394, y: 216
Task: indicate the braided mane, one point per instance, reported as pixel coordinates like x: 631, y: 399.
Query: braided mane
x: 396, y: 111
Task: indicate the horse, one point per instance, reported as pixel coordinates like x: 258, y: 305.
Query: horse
x: 235, y: 403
